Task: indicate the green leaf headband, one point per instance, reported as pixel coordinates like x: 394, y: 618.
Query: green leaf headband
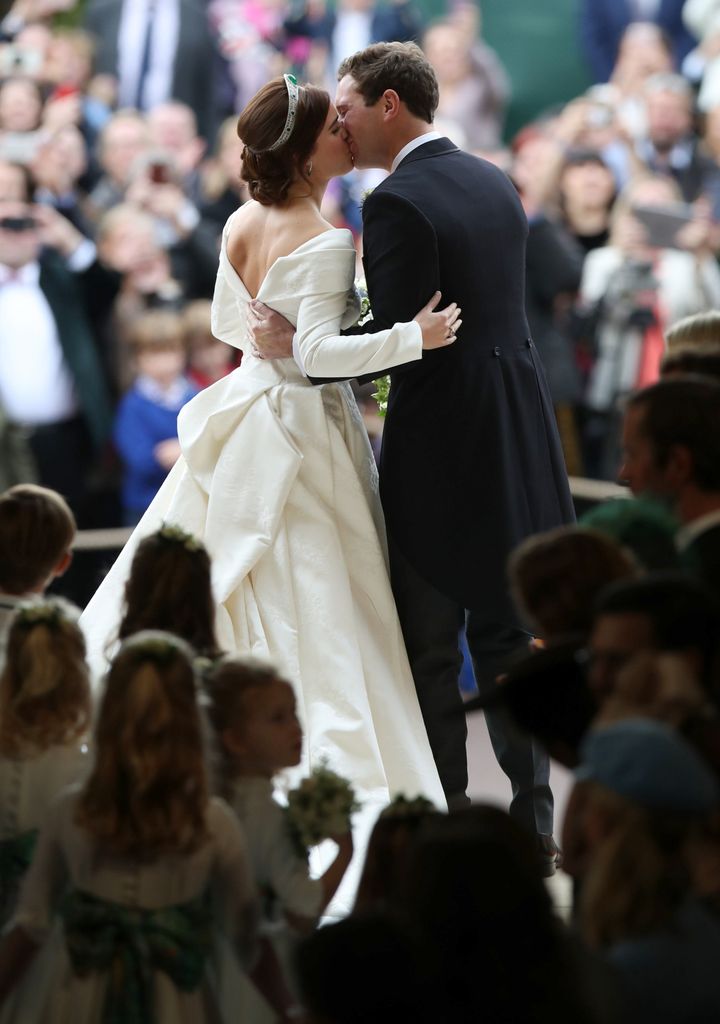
x: 293, y: 91
x: 176, y: 534
x: 49, y: 613
x: 405, y: 807
x: 156, y: 645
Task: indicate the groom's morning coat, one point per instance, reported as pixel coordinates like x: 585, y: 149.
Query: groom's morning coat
x: 471, y: 461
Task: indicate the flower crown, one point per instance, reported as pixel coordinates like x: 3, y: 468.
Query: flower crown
x: 176, y: 534
x: 157, y: 645
x: 49, y: 613
x: 404, y: 807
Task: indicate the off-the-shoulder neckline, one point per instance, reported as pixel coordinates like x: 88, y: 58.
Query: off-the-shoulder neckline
x: 295, y: 252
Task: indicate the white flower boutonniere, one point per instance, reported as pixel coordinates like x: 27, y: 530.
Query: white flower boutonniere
x: 382, y: 383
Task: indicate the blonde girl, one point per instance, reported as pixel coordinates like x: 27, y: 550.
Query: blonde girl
x: 257, y: 733
x: 140, y: 864
x: 44, y: 716
x: 253, y: 714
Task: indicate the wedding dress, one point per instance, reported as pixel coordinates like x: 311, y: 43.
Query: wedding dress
x: 278, y: 479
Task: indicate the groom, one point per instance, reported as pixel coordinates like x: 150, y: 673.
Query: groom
x: 471, y: 463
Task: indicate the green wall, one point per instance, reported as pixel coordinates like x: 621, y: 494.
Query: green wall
x: 537, y: 42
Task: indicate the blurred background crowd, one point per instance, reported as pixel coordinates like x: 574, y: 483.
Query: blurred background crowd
x: 119, y: 165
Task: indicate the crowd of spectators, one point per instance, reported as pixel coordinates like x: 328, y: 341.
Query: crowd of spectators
x: 621, y: 190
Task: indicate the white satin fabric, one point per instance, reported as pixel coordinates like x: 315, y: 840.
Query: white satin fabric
x: 278, y: 479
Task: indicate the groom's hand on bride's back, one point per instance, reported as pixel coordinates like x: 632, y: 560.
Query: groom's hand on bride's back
x: 269, y: 333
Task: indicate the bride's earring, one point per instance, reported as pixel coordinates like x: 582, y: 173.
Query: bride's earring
x: 308, y: 169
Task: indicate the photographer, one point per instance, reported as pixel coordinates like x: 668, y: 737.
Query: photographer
x: 630, y: 290
x: 157, y: 188
x: 52, y: 382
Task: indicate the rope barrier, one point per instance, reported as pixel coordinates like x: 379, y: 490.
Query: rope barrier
x: 596, y: 490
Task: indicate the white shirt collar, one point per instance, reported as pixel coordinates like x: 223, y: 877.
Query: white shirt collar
x: 27, y: 275
x: 691, y: 531
x: 169, y: 398
x: 413, y: 144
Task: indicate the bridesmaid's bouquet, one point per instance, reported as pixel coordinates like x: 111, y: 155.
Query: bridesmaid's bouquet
x: 382, y: 383
x: 320, y: 807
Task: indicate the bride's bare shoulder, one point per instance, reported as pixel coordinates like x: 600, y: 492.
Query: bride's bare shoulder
x: 259, y: 235
x: 275, y: 231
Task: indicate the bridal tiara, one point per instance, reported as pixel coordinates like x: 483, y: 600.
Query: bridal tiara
x: 293, y: 91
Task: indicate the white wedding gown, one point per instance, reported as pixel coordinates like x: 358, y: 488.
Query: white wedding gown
x: 278, y: 479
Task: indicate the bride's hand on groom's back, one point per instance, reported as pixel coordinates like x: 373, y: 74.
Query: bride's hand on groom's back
x: 269, y: 333
x: 439, y: 328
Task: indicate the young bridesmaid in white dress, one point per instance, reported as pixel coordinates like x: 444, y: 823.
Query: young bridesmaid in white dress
x: 277, y: 477
x: 136, y: 870
x: 44, y: 716
x: 253, y: 713
x: 257, y: 735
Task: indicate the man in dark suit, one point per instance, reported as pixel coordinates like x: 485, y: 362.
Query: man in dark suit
x: 670, y: 146
x: 471, y: 462
x: 603, y: 22
x: 352, y: 24
x: 52, y: 382
x: 160, y: 50
x: 671, y: 445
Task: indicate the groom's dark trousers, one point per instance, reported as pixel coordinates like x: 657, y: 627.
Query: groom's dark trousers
x: 431, y: 623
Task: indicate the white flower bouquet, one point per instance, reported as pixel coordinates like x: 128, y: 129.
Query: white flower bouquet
x: 320, y: 807
x: 382, y: 383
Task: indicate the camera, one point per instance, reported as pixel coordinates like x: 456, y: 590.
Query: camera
x: 18, y: 224
x: 635, y: 292
x: 159, y: 172
x: 15, y: 61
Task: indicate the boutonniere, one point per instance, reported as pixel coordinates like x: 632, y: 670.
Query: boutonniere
x: 382, y: 394
x: 362, y: 294
x: 382, y: 383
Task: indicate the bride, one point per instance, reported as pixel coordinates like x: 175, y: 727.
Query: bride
x: 277, y: 476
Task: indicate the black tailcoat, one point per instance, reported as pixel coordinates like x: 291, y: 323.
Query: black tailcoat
x: 471, y: 461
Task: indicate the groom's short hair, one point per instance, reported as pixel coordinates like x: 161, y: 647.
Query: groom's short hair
x: 402, y: 67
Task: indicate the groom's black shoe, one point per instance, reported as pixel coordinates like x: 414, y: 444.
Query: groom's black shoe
x: 458, y: 801
x: 550, y: 855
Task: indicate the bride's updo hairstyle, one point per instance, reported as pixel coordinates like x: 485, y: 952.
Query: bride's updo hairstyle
x: 280, y: 126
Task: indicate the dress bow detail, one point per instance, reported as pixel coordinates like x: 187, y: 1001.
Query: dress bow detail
x: 130, y: 943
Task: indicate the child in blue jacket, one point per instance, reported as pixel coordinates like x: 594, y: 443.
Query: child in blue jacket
x: 145, y: 432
